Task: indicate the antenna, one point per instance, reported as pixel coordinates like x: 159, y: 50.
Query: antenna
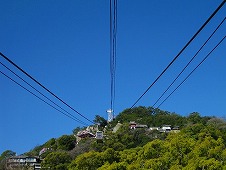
x: 110, y: 115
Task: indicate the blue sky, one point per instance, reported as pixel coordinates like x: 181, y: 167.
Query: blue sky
x: 65, y: 46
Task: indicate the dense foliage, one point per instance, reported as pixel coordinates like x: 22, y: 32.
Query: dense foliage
x: 56, y: 161
x: 200, y: 144
x: 66, y: 142
x: 6, y: 154
x: 196, y: 147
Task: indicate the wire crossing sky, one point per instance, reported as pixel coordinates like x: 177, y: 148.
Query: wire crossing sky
x: 66, y: 46
x: 70, y: 116
x: 113, y: 46
x: 28, y: 75
x: 192, y: 71
x: 188, y: 64
x: 66, y: 113
x: 175, y: 58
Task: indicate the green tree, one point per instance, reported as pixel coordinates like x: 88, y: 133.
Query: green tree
x: 153, y: 149
x: 56, y: 161
x: 115, y: 166
x: 50, y: 143
x: 66, y: 142
x: 109, y: 155
x: 101, y: 121
x: 129, y: 155
x: 87, y: 161
x: 194, y: 118
x: 178, y: 147
x: 7, y: 154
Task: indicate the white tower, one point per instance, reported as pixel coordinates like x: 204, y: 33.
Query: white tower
x: 110, y: 115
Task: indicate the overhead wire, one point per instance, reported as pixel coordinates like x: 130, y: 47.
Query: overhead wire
x: 71, y: 117
x: 113, y: 45
x: 42, y: 94
x: 192, y: 71
x: 111, y: 55
x: 189, y: 61
x: 28, y: 75
x: 175, y: 58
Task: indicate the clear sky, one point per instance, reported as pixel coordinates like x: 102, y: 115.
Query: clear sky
x: 65, y: 46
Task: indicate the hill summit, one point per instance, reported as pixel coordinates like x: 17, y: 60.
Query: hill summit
x: 138, y: 138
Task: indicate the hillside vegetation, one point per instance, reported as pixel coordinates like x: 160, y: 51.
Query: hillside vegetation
x: 199, y: 145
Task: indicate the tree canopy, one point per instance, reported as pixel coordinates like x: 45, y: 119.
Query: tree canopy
x: 56, y: 161
x: 199, y: 144
x: 182, y: 150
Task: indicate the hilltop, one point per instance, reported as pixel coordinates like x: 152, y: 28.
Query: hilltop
x: 197, y: 143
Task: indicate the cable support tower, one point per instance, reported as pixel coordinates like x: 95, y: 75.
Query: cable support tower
x: 176, y: 57
x: 192, y: 71
x: 81, y: 122
x: 28, y: 75
x: 189, y: 62
x: 113, y: 45
x: 69, y: 116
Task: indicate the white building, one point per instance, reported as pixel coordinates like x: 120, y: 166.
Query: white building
x: 31, y: 162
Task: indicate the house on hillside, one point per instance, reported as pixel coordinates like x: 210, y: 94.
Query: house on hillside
x: 165, y: 128
x: 134, y: 125
x: 175, y: 129
x: 21, y: 162
x: 84, y: 134
x: 154, y: 128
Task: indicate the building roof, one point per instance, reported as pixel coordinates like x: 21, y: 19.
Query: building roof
x: 22, y: 157
x: 84, y: 133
